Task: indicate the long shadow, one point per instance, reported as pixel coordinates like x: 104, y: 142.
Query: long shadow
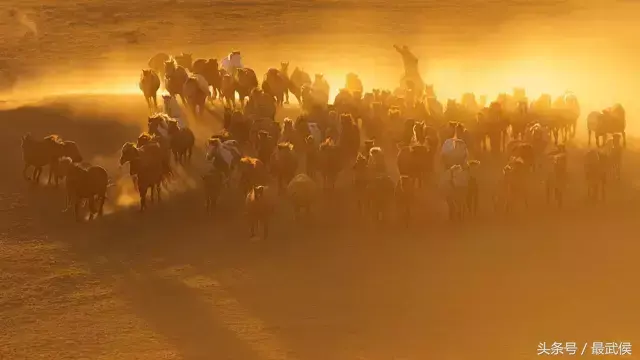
x: 129, y: 250
x: 177, y: 313
x: 177, y: 233
x: 125, y: 241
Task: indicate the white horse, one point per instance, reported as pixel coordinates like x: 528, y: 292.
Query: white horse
x: 455, y: 187
x: 315, y: 132
x: 454, y: 152
x: 158, y: 124
x: 232, y: 62
x: 172, y: 109
x: 225, y: 156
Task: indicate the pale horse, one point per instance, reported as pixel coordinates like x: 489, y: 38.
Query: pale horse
x: 232, y: 62
x: 224, y: 156
x: 315, y: 132
x: 454, y: 184
x: 454, y: 152
x: 173, y: 110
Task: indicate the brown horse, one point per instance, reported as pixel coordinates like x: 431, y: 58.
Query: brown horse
x: 149, y: 84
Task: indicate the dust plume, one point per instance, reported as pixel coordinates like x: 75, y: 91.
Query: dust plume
x: 589, y: 51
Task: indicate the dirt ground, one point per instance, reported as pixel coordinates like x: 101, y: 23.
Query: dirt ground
x: 175, y: 283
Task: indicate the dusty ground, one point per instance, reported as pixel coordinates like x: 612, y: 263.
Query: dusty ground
x: 176, y: 284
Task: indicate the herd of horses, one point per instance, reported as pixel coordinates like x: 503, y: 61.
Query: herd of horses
x: 302, y: 158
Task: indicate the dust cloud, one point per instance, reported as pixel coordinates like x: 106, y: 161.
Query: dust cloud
x: 589, y: 49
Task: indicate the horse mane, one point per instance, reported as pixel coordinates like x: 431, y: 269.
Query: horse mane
x: 249, y: 160
x: 145, y: 135
x: 285, y: 145
x: 55, y: 138
x: 394, y: 110
x: 128, y: 145
x: 328, y: 141
x: 473, y: 162
x: 516, y: 160
x: 346, y: 117
x: 160, y: 116
x: 172, y: 122
x: 213, y: 139
x: 375, y: 151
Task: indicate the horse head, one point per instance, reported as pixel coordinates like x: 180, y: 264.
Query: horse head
x: 361, y: 163
x: 144, y: 139
x: 284, y: 67
x: 346, y: 119
x: 452, y: 104
x: 157, y: 122
x: 146, y: 73
x: 172, y: 126
x: 284, y: 147
x: 169, y: 66
x: 288, y: 125
x: 213, y: 146
x: 129, y: 152
x: 429, y: 91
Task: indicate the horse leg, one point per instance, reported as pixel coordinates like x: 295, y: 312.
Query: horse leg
x: 265, y: 227
x: 559, y: 195
x: 253, y: 228
x: 24, y: 172
x: 152, y: 197
x: 589, y: 137
x: 143, y: 197
x: 475, y: 202
x: 548, y: 188
x: 37, y: 171
x: 51, y: 172
x: 92, y: 207
x: 155, y: 102
x: 103, y: 197
x: 77, y: 209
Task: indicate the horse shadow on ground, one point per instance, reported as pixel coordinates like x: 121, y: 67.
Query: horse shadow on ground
x: 132, y: 250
